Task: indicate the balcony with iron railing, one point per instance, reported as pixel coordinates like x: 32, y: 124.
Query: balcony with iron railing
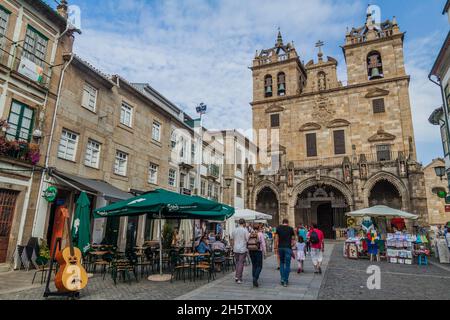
x: 24, y: 63
x: 213, y: 171
x: 17, y: 150
x: 382, y: 158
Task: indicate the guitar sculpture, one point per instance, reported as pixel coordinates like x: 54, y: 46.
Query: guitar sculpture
x: 71, y: 276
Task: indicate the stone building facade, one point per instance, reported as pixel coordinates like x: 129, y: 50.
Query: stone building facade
x: 34, y: 43
x: 334, y: 147
x: 437, y: 214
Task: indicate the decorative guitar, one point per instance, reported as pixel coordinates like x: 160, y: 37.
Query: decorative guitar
x: 71, y: 276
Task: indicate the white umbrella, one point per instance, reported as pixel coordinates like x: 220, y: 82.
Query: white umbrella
x: 250, y: 215
x: 186, y: 231
x: 382, y: 211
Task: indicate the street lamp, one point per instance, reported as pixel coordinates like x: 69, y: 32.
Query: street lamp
x: 228, y: 183
x: 440, y: 171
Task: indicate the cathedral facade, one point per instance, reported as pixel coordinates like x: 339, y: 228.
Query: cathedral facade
x: 335, y: 147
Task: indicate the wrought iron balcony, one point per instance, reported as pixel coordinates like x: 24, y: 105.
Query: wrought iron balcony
x: 213, y: 171
x: 19, y: 150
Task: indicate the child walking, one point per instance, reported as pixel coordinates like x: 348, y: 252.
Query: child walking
x: 301, y: 253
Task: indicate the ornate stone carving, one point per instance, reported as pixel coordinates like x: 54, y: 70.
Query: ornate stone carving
x: 274, y: 109
x: 290, y: 178
x: 347, y: 170
x: 381, y: 135
x: 338, y: 123
x: 310, y: 126
x: 402, y: 169
x: 377, y: 92
x: 363, y: 170
x: 323, y: 112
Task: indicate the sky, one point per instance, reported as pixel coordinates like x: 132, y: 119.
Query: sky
x: 195, y: 51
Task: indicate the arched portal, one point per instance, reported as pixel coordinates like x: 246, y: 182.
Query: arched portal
x: 385, y: 193
x: 267, y: 202
x: 324, y: 205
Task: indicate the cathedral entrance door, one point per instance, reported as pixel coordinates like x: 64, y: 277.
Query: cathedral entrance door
x: 325, y: 219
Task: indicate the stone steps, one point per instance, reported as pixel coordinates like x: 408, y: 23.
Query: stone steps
x: 4, y: 267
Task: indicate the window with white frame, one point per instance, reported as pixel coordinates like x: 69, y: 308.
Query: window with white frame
x: 126, y: 115
x: 89, y: 97
x: 239, y: 189
x: 67, y: 148
x: 156, y: 131
x: 192, y: 183
x: 35, y: 46
x: 92, y: 158
x: 121, y: 163
x: 173, y: 139
x: 172, y: 177
x: 216, y: 192
x: 203, y: 188
x: 193, y: 153
x: 210, y: 190
x: 4, y: 18
x: 153, y: 173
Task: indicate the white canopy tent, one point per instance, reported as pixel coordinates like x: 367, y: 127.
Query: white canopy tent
x: 248, y: 215
x: 382, y: 211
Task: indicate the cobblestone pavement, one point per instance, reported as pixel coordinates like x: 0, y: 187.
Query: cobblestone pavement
x: 301, y: 287
x: 99, y: 289
x: 347, y: 279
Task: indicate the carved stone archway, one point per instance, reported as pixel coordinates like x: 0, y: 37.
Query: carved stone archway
x: 271, y: 190
x: 393, y: 180
x: 260, y: 186
x: 346, y: 192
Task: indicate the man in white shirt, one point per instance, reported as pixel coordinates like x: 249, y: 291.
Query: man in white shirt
x: 239, y: 242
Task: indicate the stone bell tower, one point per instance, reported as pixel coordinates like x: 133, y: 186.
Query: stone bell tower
x: 277, y: 72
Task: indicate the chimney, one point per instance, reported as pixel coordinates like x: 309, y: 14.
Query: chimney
x: 62, y: 9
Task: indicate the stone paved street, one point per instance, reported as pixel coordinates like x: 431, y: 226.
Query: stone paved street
x: 342, y: 279
x: 17, y: 286
x: 346, y: 279
x: 301, y: 287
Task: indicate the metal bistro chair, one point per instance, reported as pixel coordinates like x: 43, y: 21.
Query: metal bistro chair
x: 219, y: 259
x: 230, y: 263
x: 207, y: 266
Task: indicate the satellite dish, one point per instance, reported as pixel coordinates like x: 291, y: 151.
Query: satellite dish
x: 74, y: 19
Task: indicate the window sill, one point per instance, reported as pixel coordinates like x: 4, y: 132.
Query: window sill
x: 126, y: 128
x: 119, y: 177
x: 157, y: 143
x: 68, y: 160
x: 91, y: 167
x: 91, y: 111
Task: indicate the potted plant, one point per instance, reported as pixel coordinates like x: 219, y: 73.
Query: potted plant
x: 44, y: 254
x: 167, y: 235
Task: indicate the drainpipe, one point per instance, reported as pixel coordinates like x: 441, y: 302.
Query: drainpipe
x: 47, y: 155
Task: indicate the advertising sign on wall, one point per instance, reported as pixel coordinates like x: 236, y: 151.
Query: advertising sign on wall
x: 31, y: 70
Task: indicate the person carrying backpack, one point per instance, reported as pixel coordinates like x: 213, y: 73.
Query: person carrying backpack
x: 256, y: 246
x: 316, y: 238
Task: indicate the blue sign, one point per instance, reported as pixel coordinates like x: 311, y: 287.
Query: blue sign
x: 201, y: 109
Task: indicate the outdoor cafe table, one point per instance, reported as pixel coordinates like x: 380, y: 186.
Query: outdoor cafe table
x: 192, y: 259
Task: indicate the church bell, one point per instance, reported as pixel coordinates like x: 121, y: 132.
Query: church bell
x: 269, y: 90
x: 375, y: 74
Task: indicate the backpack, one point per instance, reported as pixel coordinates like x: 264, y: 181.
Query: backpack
x: 253, y: 243
x: 314, y: 237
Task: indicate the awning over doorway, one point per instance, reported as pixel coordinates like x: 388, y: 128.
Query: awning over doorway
x: 382, y: 211
x: 98, y: 187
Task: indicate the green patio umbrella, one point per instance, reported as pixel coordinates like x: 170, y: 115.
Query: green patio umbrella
x: 82, y: 224
x: 162, y: 204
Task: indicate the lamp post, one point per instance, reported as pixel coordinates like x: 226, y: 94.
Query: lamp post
x: 440, y: 171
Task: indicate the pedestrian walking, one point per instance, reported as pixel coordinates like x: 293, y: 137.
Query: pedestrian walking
x: 239, y: 241
x: 286, y: 240
x: 301, y: 253
x: 256, y: 246
x: 316, y: 239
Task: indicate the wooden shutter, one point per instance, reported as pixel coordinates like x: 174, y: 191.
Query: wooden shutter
x: 275, y: 120
x: 311, y: 145
x: 378, y: 106
x: 339, y: 142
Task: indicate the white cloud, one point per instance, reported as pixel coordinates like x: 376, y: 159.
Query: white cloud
x: 198, y: 51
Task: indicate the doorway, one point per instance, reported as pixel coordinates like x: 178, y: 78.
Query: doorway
x: 325, y: 220
x: 62, y: 199
x: 8, y: 199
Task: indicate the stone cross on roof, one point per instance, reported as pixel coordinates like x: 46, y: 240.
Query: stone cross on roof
x: 319, y: 45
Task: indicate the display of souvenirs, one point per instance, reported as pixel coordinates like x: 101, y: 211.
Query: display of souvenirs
x: 400, y: 247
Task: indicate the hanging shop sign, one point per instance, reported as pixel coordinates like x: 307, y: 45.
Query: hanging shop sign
x: 50, y: 194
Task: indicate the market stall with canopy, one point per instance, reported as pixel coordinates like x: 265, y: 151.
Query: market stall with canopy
x: 248, y: 215
x: 162, y: 204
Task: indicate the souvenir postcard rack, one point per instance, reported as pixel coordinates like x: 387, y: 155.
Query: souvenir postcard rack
x: 400, y: 248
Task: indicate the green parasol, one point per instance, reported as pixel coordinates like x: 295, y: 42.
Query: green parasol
x: 82, y: 224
